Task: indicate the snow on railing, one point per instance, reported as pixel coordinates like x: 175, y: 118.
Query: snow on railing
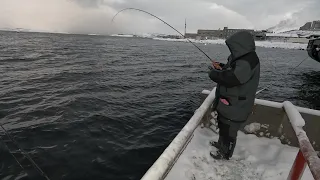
x: 306, y: 152
x: 167, y: 159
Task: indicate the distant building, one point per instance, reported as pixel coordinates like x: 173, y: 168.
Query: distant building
x: 204, y: 34
x: 315, y: 25
x: 210, y: 34
x: 191, y: 35
x: 226, y: 33
x: 311, y: 26
x: 259, y: 35
x: 229, y: 32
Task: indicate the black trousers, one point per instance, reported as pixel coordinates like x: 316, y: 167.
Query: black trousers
x: 228, y: 129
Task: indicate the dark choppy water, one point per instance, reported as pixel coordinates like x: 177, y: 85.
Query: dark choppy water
x: 93, y: 107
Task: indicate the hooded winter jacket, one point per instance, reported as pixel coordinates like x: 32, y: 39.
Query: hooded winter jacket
x: 239, y: 78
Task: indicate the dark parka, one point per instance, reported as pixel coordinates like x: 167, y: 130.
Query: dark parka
x: 239, y: 78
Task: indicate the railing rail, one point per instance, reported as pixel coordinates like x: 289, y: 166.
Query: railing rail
x: 306, y: 153
x: 164, y: 163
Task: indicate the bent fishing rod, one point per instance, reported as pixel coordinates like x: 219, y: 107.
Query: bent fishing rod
x: 136, y: 9
x: 24, y: 153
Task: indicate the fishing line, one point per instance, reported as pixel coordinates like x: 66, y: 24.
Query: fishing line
x: 166, y: 24
x: 273, y: 64
x: 24, y: 153
x: 285, y: 75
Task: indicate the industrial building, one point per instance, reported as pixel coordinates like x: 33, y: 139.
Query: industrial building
x: 223, y: 34
x: 191, y: 35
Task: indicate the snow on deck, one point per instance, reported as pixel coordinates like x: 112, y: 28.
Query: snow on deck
x: 254, y: 158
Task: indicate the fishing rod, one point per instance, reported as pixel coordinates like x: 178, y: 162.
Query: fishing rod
x: 166, y: 24
x: 24, y: 153
x: 285, y: 75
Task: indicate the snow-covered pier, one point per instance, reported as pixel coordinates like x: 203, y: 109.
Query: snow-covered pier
x: 279, y: 141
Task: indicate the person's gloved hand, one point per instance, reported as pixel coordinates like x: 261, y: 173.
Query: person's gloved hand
x: 216, y: 65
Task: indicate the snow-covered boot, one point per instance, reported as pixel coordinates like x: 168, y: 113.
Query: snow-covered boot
x: 222, y: 152
x: 225, y: 151
x: 218, y: 155
x: 216, y: 144
x: 232, y: 145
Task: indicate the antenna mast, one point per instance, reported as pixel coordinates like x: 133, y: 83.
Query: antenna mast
x: 185, y: 27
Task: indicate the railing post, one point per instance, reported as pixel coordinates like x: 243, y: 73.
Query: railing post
x: 298, y: 167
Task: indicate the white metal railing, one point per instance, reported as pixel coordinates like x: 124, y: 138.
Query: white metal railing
x: 306, y: 153
x: 165, y: 162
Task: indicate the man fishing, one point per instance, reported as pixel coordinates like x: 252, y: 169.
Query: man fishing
x: 237, y: 83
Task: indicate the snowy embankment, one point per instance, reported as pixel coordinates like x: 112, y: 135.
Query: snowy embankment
x: 122, y: 35
x: 266, y: 44
x: 254, y: 158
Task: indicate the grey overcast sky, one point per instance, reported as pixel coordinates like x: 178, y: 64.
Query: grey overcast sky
x: 94, y: 16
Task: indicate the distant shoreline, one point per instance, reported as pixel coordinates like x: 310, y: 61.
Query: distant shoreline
x: 265, y: 44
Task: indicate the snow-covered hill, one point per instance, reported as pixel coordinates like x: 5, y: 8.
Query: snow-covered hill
x: 285, y: 25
